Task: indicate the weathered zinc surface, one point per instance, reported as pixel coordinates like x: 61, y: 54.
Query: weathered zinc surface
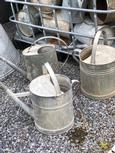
x: 93, y: 132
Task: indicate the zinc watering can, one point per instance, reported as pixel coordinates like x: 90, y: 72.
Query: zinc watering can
x: 97, y: 69
x: 31, y: 17
x: 52, y: 106
x: 35, y: 56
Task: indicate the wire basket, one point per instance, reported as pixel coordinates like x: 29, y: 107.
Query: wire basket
x: 60, y: 21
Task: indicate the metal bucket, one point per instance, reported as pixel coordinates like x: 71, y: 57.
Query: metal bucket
x: 103, y: 5
x: 8, y: 51
x: 28, y: 15
x: 52, y: 102
x: 97, y: 80
x: 35, y: 56
x: 47, y: 10
x: 88, y: 28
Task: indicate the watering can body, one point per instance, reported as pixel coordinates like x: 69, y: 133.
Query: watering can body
x: 54, y: 114
x: 97, y: 80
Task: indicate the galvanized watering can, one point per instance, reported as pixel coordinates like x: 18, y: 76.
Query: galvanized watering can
x: 35, y: 56
x: 97, y: 70
x: 51, y: 97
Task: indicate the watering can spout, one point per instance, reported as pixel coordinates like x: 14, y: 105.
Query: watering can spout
x: 26, y: 108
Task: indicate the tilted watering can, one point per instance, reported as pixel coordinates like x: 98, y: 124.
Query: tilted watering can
x: 51, y: 97
x: 35, y: 56
x: 97, y: 69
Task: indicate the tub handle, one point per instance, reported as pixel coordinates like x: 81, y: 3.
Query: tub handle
x: 95, y: 44
x: 48, y: 69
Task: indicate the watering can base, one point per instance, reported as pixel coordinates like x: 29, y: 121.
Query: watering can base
x: 55, y: 132
x: 98, y: 97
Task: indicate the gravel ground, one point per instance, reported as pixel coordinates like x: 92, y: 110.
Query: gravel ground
x: 94, y: 120
x: 93, y: 131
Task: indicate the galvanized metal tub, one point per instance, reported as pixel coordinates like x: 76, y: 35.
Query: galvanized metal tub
x: 30, y: 17
x: 97, y: 81
x: 53, y: 114
x: 103, y: 5
x: 7, y: 51
x: 35, y: 57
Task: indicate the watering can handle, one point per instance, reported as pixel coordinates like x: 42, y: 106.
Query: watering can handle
x: 95, y: 44
x: 47, y: 69
x: 49, y: 37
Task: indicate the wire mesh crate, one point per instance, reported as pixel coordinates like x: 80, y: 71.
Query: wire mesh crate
x: 73, y: 15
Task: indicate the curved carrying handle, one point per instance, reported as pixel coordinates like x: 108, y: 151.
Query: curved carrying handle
x: 47, y: 69
x: 49, y: 37
x: 95, y: 44
x: 53, y: 37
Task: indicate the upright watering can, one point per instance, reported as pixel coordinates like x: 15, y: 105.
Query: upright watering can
x: 34, y: 57
x: 51, y: 97
x: 97, y: 70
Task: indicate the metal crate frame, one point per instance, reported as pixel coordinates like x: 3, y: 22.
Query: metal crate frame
x: 73, y: 47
